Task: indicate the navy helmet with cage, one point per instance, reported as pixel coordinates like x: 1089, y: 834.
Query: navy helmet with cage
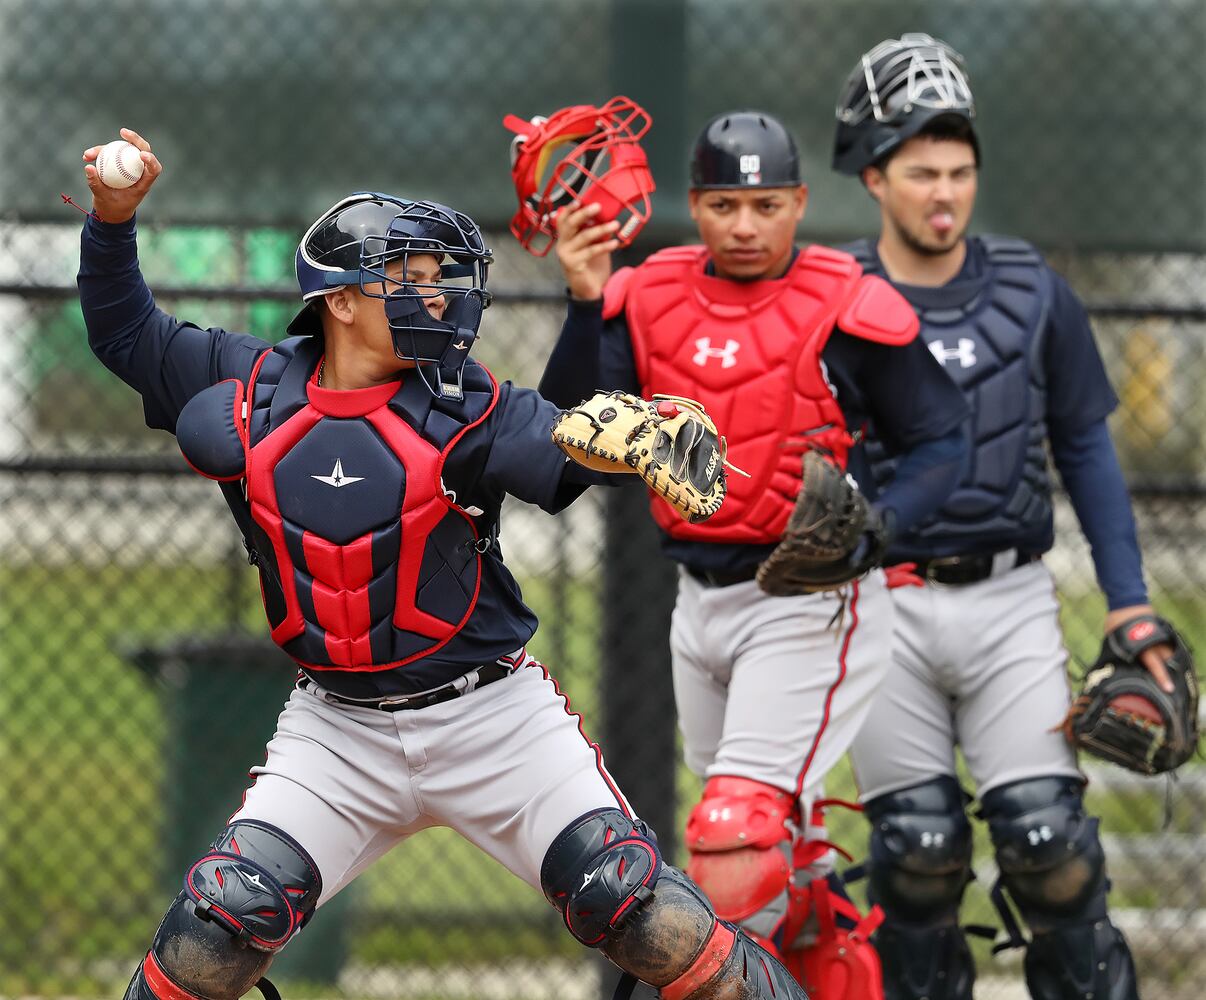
x: 365, y: 240
x: 894, y: 92
x: 744, y: 149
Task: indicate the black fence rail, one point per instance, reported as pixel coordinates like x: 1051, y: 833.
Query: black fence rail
x: 135, y: 684
x: 132, y: 630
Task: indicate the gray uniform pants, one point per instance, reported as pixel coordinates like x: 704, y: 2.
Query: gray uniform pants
x: 507, y: 766
x: 981, y: 666
x: 774, y: 688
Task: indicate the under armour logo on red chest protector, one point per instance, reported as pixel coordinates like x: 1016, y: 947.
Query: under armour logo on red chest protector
x: 704, y: 352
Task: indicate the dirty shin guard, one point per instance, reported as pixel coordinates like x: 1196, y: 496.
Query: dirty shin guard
x: 675, y: 942
x: 605, y: 875
x: 241, y: 903
x: 1081, y: 960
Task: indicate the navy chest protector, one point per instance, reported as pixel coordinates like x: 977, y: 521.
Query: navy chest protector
x: 988, y: 334
x: 366, y: 561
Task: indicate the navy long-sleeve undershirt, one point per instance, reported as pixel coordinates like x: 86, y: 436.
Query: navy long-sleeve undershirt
x: 1088, y: 465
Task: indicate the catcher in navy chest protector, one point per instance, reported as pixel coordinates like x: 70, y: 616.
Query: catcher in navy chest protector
x: 365, y: 460
x: 979, y: 658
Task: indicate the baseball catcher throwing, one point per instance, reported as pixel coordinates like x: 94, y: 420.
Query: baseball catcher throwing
x: 365, y: 459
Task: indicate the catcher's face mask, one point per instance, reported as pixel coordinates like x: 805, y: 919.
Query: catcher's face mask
x: 892, y: 93
x: 582, y: 155
x: 367, y: 240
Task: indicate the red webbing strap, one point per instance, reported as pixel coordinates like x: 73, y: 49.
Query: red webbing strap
x: 160, y: 984
x: 717, y: 948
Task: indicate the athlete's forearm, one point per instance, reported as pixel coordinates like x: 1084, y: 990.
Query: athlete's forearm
x: 925, y: 477
x: 573, y: 371
x: 167, y: 361
x: 1088, y: 466
x: 115, y: 299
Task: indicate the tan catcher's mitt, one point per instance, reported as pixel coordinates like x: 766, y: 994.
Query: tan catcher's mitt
x: 832, y: 536
x: 1121, y: 715
x: 671, y: 443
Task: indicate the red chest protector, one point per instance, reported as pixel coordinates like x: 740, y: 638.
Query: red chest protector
x: 750, y: 352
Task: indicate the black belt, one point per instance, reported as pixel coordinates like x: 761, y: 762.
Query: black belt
x: 962, y: 570
x: 487, y: 674
x: 712, y: 578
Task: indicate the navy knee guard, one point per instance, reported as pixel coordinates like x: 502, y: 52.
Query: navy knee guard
x: 241, y: 903
x: 1048, y: 850
x: 1053, y: 867
x: 597, y: 870
x: 920, y: 864
x: 605, y: 874
x: 921, y: 849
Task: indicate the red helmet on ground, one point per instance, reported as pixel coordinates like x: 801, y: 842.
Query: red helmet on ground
x: 606, y: 166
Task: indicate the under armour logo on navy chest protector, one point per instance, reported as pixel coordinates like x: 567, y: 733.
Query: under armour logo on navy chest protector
x: 963, y: 353
x: 988, y: 334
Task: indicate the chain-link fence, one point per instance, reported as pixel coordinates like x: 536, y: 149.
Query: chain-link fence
x: 135, y: 688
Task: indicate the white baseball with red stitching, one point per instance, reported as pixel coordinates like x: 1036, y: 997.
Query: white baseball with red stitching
x: 119, y: 164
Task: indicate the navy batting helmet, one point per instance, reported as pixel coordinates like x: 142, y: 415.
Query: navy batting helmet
x: 745, y: 149
x: 894, y: 91
x: 351, y: 244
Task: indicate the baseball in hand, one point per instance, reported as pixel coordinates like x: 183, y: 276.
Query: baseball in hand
x: 119, y: 164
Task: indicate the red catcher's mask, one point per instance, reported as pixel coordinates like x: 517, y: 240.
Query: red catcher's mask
x: 605, y: 166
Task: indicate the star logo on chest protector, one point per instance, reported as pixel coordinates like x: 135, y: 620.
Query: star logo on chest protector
x: 337, y: 478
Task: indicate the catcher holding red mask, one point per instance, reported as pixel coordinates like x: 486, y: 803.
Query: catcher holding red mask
x: 782, y: 622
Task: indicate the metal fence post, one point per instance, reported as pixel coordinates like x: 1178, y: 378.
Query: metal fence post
x: 638, y: 734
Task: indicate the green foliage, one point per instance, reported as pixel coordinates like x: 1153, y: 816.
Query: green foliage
x: 87, y: 747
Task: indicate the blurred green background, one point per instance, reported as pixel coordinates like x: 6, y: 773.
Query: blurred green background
x: 128, y: 617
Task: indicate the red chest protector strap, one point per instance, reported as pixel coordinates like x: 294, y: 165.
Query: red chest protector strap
x: 751, y: 353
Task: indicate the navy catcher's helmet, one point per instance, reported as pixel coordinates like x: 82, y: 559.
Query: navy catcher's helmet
x: 745, y: 149
x: 354, y: 240
x: 894, y: 91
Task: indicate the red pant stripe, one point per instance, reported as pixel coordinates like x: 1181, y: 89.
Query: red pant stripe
x: 833, y: 688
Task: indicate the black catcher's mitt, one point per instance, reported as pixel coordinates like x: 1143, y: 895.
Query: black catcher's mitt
x: 1121, y: 715
x: 832, y: 536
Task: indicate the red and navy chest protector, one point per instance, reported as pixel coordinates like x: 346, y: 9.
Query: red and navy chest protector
x: 366, y: 561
